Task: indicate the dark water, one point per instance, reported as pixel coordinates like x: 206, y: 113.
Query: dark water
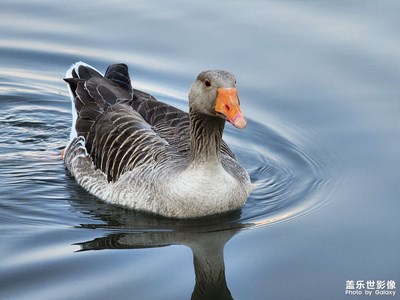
x: 319, y: 83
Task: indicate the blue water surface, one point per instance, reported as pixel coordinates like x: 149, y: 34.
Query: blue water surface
x: 319, y: 84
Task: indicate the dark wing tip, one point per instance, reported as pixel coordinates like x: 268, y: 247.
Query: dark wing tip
x: 71, y: 80
x: 119, y: 74
x: 86, y: 72
x: 73, y: 84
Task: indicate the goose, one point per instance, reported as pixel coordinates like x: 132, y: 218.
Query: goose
x: 129, y: 149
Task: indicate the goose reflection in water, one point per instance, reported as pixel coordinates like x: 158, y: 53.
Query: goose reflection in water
x: 206, y: 238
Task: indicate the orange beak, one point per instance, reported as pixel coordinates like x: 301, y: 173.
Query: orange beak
x: 228, y: 104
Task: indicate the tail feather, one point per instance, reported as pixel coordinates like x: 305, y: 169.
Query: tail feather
x: 86, y: 72
x: 75, y: 69
x: 118, y: 74
x: 91, y: 94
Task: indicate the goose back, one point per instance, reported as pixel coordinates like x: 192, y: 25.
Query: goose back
x: 124, y: 127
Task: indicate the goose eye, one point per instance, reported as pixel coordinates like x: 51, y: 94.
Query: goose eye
x: 207, y: 82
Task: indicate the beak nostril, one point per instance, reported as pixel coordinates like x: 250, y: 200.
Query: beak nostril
x: 227, y: 107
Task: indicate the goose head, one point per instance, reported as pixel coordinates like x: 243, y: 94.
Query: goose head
x: 214, y: 93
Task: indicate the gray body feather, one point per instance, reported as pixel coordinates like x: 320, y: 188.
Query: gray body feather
x: 129, y: 149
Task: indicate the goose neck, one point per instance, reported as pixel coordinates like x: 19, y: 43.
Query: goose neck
x: 205, y: 138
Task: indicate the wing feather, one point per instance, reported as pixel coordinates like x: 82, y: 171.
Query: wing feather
x: 124, y: 128
x: 124, y: 141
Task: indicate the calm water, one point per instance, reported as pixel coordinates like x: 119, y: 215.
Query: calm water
x: 319, y: 83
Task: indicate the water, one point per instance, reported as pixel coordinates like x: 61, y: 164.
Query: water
x: 318, y: 82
